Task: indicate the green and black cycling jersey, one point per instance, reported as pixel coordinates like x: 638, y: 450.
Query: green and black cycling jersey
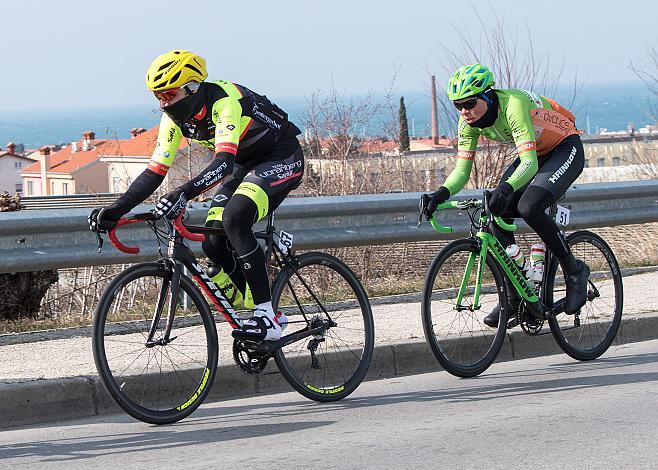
x: 228, y: 118
x: 240, y: 126
x: 533, y: 123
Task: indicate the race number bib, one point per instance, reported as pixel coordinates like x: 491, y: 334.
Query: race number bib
x: 562, y: 216
x: 285, y: 241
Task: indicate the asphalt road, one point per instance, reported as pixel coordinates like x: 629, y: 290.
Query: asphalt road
x: 546, y: 412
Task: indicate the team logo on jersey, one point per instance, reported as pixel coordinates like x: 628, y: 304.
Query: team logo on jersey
x: 466, y: 154
x: 526, y: 147
x: 565, y: 166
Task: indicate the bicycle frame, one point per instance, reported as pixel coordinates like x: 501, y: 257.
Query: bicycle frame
x: 488, y: 243
x: 179, y: 255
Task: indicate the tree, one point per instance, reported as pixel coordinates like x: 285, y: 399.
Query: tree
x: 22, y: 292
x: 643, y: 152
x: 404, y: 127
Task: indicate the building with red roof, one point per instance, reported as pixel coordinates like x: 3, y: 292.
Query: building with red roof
x: 75, y: 169
x: 93, y: 166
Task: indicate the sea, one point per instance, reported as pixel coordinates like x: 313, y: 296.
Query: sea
x: 598, y: 107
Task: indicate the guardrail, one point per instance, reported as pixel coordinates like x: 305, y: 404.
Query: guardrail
x: 59, y: 238
x: 67, y: 202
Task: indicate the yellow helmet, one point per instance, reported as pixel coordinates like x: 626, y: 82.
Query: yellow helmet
x: 175, y: 69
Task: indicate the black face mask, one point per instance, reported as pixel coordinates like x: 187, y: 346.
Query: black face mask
x: 184, y: 109
x: 490, y: 116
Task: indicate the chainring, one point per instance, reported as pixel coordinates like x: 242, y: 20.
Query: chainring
x: 529, y: 324
x: 249, y: 361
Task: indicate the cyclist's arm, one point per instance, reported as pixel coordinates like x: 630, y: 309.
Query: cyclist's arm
x: 226, y: 114
x: 169, y: 136
x: 523, y: 132
x: 467, y: 143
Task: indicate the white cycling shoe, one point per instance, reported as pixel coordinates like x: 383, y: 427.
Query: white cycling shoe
x: 263, y: 326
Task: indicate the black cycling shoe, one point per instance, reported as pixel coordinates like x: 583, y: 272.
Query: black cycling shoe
x: 492, y: 319
x: 513, y: 302
x: 576, y: 288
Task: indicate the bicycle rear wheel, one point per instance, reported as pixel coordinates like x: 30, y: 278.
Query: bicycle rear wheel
x: 163, y: 382
x: 589, y: 333
x: 457, y: 335
x: 331, y: 365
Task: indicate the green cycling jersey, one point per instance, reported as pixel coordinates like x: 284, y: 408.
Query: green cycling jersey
x: 533, y: 123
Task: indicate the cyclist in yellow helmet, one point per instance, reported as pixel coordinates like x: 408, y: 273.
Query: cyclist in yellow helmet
x: 550, y: 158
x: 258, y: 161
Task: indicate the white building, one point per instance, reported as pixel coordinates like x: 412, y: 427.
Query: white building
x: 11, y: 165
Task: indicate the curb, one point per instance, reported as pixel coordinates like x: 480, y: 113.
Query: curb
x: 45, y: 401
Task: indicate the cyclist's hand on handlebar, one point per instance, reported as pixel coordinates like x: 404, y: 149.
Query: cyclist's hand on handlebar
x: 171, y: 204
x: 439, y: 196
x: 500, y: 198
x: 104, y: 219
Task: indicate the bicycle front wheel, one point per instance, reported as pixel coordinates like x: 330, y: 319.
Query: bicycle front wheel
x: 165, y: 380
x: 322, y: 289
x: 454, y: 327
x: 590, y: 332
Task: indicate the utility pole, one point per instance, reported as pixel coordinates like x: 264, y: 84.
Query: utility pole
x: 435, y: 119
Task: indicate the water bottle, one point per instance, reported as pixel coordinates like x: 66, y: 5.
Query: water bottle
x: 514, y: 252
x: 537, y: 254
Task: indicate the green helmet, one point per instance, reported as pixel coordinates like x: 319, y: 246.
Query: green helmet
x: 469, y: 80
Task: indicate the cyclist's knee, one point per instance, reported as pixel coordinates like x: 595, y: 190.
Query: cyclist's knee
x: 216, y: 246
x: 239, y: 217
x: 534, y: 201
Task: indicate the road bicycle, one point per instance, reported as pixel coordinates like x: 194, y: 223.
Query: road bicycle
x: 465, y: 281
x: 155, y: 338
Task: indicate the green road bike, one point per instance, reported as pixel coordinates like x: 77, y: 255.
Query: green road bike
x: 466, y: 281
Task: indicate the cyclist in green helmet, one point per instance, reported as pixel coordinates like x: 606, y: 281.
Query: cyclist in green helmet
x: 550, y: 158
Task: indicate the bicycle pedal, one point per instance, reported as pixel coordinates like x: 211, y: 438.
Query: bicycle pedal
x: 512, y: 323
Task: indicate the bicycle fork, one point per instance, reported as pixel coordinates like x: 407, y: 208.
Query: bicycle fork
x: 169, y: 286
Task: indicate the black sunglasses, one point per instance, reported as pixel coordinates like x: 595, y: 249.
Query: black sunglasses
x: 466, y: 104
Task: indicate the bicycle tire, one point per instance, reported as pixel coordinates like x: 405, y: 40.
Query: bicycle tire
x: 600, y: 318
x: 459, y: 340
x: 345, y: 351
x: 164, y: 383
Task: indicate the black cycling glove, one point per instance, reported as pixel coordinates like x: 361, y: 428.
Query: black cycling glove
x: 439, y: 196
x: 171, y: 204
x: 500, y: 198
x: 104, y: 219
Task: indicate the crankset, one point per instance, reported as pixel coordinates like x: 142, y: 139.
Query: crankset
x: 529, y: 324
x: 249, y: 360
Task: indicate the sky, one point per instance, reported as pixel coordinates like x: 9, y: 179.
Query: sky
x: 71, y: 53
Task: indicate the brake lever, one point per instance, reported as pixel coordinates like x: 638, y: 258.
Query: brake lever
x: 99, y: 241
x: 422, y: 206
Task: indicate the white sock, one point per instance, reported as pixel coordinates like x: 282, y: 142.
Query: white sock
x: 264, y: 308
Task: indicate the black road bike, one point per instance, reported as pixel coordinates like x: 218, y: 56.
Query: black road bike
x: 155, y: 338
